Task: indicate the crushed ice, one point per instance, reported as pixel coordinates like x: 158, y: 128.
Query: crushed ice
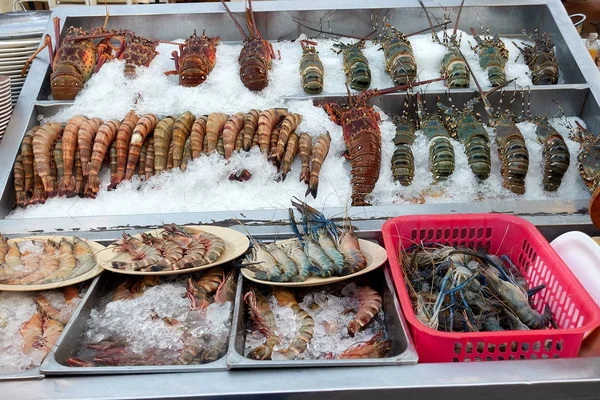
x: 154, y: 323
x: 16, y: 309
x: 331, y: 315
x: 205, y: 187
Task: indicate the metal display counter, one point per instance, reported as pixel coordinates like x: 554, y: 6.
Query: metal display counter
x: 535, y: 379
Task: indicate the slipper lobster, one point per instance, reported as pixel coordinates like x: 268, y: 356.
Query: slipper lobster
x: 256, y: 55
x: 195, y: 60
x: 540, y: 59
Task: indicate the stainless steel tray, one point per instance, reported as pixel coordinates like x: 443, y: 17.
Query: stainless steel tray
x: 33, y: 373
x: 55, y: 363
x: 402, y: 346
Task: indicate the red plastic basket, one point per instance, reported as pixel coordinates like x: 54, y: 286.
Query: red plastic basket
x: 573, y: 309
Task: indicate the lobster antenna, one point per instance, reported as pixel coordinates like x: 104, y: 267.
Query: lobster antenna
x: 255, y: 32
x: 486, y: 103
x: 433, y: 34
x: 235, y: 21
x: 458, y: 17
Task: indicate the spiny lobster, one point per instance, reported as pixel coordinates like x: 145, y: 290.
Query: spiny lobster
x: 256, y: 55
x: 195, y: 60
x: 360, y: 125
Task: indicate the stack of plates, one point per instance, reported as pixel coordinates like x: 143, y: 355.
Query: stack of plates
x: 20, y: 36
x: 5, y: 104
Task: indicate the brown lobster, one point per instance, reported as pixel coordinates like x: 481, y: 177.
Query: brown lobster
x: 73, y: 63
x: 362, y: 136
x: 195, y: 60
x: 256, y: 55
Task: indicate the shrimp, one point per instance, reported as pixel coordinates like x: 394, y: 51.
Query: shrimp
x: 12, y: 260
x: 141, y: 165
x: 288, y: 267
x: 79, y: 178
x: 231, y: 130
x: 354, y: 259
x: 43, y: 143
x: 84, y: 256
x: 267, y: 121
x: 318, y: 155
x: 187, y: 154
x: 122, y: 146
x: 250, y: 127
x: 263, y: 264
x: 149, y: 164
x: 516, y: 299
x: 304, y: 148
x: 199, y: 290
x: 264, y: 321
x: 49, y: 263
x: 105, y: 136
x: 52, y: 330
x: 113, y: 160
x: 226, y: 290
x: 27, y: 152
x: 67, y: 262
x: 291, y: 149
x: 85, y: 141
x: 58, y: 160
x: 321, y: 263
x: 194, y: 252
x: 215, y: 246
x: 31, y: 331
x: 374, y: 348
x: 181, y: 131
x: 144, y: 127
x: 328, y: 246
x: 47, y: 309
x: 162, y: 140
x: 214, y: 126
x: 39, y: 195
x: 142, y: 255
x: 197, y: 135
x: 66, y: 186
x: 370, y: 304
x: 289, y: 125
x: 285, y: 298
x: 3, y: 248
x: 19, y: 178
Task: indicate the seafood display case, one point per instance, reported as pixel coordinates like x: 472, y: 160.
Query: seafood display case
x: 578, y: 92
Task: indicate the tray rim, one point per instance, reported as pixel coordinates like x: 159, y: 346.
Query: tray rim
x: 96, y: 247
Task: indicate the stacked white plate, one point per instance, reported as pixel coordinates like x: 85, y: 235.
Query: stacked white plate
x: 6, y: 106
x: 20, y: 36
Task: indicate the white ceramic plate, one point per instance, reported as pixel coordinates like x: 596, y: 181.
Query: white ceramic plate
x: 375, y: 254
x: 236, y: 244
x: 97, y: 249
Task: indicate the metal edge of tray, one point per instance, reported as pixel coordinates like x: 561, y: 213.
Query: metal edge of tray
x: 40, y: 66
x: 73, y: 332
x: 35, y: 372
x: 394, y: 320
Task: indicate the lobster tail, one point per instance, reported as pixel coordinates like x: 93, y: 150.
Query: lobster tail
x: 513, y: 154
x: 478, y: 154
x: 555, y: 153
x: 403, y: 165
x: 400, y: 61
x: 311, y: 71
x: 556, y: 162
x: 497, y: 75
x: 441, y: 158
x: 455, y: 70
x: 356, y: 66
